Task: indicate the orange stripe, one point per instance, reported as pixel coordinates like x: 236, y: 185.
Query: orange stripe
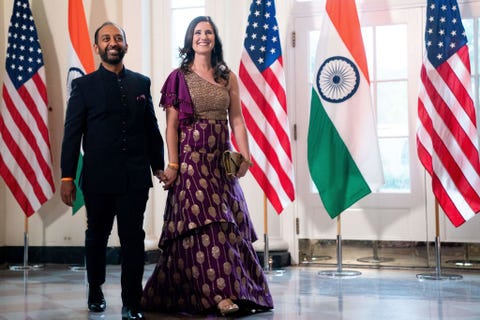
x: 77, y: 27
x: 343, y: 14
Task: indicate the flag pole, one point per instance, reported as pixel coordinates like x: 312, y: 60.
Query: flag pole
x: 339, y: 244
x: 267, y: 265
x: 267, y: 259
x: 25, y: 265
x: 25, y: 244
x: 438, y: 261
x: 339, y: 273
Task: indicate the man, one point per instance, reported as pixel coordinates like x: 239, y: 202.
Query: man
x: 110, y: 112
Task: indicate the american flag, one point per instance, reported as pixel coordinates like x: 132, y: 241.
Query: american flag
x: 264, y: 105
x: 447, y: 134
x: 25, y: 158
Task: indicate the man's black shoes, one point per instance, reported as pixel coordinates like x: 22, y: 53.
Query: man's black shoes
x: 96, y: 301
x: 131, y: 314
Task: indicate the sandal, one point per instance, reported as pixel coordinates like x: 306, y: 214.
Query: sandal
x: 226, y: 306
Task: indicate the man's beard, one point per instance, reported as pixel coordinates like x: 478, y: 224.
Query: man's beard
x: 112, y: 59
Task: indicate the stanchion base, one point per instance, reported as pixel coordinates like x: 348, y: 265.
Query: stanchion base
x: 25, y: 268
x: 20, y: 268
x: 463, y: 263
x: 339, y: 273
x: 441, y: 276
x: 77, y: 268
x: 375, y: 259
x: 320, y: 258
x: 95, y: 316
x: 316, y: 259
x: 276, y: 272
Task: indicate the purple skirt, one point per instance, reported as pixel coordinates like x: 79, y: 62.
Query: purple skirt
x: 207, y: 236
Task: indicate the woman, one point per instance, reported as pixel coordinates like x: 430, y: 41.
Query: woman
x: 208, y: 262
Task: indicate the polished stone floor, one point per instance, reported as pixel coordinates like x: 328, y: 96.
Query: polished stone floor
x: 54, y: 292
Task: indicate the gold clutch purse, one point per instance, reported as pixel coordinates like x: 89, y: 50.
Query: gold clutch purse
x: 232, y: 161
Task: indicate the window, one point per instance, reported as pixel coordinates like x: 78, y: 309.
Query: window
x: 183, y: 11
x: 386, y: 49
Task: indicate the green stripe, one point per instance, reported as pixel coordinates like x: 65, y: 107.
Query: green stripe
x: 79, y: 201
x: 335, y: 174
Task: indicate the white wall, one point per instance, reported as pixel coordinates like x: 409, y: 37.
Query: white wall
x: 146, y: 23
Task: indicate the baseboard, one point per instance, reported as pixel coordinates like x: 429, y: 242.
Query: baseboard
x: 75, y: 255
x: 55, y: 255
x: 277, y: 259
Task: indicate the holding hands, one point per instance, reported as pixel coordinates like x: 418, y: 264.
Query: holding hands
x: 168, y: 176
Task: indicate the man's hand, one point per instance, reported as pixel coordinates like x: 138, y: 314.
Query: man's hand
x: 68, y: 192
x: 159, y: 174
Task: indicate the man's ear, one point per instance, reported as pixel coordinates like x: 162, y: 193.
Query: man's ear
x: 95, y: 48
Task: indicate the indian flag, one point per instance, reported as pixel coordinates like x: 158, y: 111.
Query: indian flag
x: 343, y: 153
x: 81, y: 63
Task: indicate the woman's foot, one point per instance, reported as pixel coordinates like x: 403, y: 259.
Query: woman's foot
x: 226, y: 306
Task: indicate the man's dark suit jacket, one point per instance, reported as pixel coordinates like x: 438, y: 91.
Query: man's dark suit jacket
x: 115, y: 122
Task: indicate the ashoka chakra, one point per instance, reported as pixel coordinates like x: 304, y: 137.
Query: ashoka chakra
x: 337, y: 79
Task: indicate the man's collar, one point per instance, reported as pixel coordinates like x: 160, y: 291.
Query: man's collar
x: 104, y: 70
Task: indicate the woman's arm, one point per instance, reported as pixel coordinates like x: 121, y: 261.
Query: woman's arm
x: 237, y: 123
x: 172, y: 147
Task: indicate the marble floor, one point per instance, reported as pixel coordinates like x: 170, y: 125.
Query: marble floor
x: 54, y: 292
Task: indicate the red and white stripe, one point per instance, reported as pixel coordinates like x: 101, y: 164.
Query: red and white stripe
x: 447, y: 136
x: 264, y: 108
x: 25, y: 158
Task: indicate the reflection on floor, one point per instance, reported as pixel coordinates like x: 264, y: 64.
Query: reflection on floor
x: 56, y: 292
x: 395, y: 254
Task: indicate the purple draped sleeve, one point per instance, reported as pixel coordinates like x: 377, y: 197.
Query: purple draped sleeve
x: 175, y: 93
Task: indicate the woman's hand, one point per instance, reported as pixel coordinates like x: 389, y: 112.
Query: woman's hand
x: 169, y: 175
x: 244, y: 166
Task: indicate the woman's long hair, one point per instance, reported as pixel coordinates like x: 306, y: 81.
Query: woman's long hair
x: 221, y: 70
